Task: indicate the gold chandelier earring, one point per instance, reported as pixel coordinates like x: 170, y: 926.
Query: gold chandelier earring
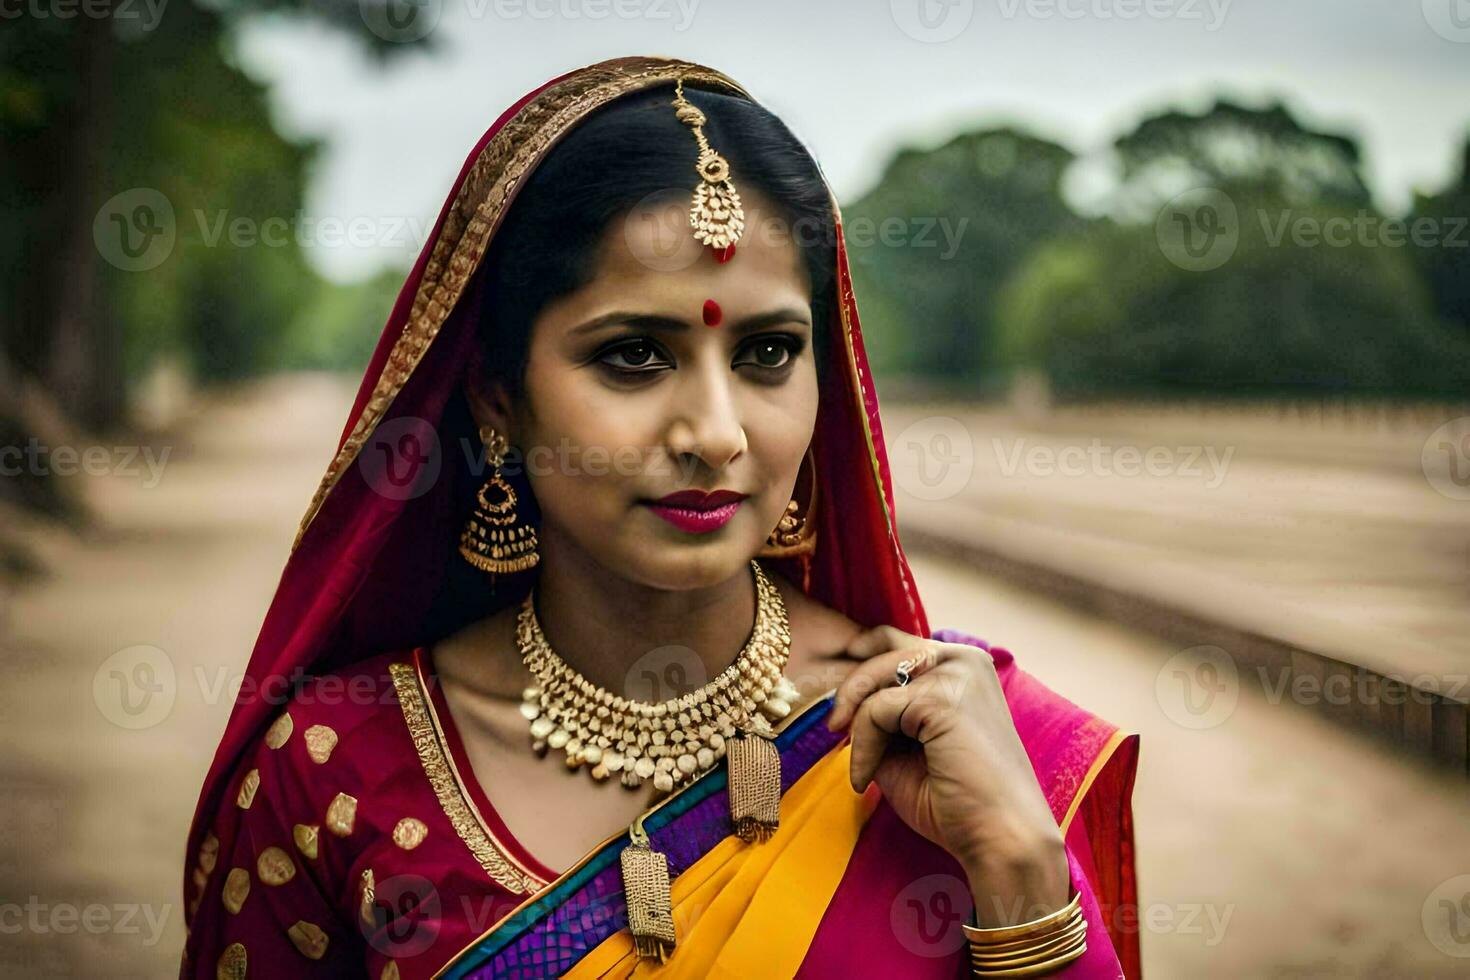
x: 795, y: 535
x: 494, y: 539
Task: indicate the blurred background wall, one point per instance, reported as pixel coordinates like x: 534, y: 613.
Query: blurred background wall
x: 1169, y: 306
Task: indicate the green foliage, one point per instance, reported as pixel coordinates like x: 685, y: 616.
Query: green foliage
x: 337, y: 328
x: 1447, y: 268
x: 1277, y: 317
x: 92, y: 107
x: 983, y: 200
x: 1104, y: 307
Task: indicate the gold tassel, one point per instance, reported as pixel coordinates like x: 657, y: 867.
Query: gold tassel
x: 755, y: 781
x: 646, y: 889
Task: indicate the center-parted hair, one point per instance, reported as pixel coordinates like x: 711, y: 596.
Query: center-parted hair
x: 620, y: 155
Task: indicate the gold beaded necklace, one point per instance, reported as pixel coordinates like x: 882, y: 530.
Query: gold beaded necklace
x: 670, y: 741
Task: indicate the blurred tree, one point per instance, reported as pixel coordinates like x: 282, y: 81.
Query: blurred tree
x: 142, y: 100
x: 1106, y: 313
x: 1257, y: 153
x: 931, y: 244
x: 1447, y: 263
x: 1305, y: 293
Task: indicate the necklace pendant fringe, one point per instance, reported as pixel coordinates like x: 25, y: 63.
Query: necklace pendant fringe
x: 755, y: 782
x: 647, y: 892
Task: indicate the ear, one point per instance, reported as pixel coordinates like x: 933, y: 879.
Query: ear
x: 490, y: 405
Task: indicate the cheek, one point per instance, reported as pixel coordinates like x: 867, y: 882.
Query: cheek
x: 594, y: 441
x: 780, y: 430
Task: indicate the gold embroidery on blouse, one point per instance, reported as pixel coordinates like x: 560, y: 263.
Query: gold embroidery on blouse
x: 439, y: 767
x: 320, y: 741
x: 237, y: 889
x: 208, y: 853
x: 274, y: 866
x: 305, y: 836
x: 280, y: 730
x: 200, y: 879
x: 248, y: 786
x: 366, y: 903
x: 479, y: 205
x: 231, y: 965
x: 390, y: 971
x: 309, y: 939
x: 342, y: 814
x: 409, y: 833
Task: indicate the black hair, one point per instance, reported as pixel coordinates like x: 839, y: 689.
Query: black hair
x: 619, y: 155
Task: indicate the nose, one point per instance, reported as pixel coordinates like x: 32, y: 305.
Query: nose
x: 706, y: 421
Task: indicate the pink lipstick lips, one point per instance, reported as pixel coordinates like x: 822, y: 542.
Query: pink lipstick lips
x: 697, y: 512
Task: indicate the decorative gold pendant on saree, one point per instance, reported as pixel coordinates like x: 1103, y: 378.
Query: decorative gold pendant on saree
x: 755, y: 782
x: 647, y: 891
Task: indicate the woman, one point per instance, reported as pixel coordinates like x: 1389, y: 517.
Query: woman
x: 609, y: 457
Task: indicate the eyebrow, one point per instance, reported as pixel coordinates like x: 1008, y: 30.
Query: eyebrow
x: 650, y: 321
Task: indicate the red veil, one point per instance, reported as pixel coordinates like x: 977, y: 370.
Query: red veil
x: 368, y: 570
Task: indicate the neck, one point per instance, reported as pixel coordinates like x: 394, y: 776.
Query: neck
x: 635, y: 640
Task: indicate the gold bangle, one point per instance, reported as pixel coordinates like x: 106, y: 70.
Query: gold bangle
x: 1030, y: 942
x: 1036, y: 969
x: 1032, y: 954
x: 1024, y: 929
x: 1030, y: 949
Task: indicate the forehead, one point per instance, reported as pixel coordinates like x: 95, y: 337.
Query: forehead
x: 651, y: 253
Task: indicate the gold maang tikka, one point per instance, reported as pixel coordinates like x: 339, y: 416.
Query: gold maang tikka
x: 715, y: 213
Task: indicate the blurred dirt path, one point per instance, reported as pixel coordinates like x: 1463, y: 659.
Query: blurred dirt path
x: 185, y: 562
x: 1271, y: 843
x: 1323, y: 851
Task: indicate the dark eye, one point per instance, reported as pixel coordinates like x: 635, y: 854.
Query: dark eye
x: 636, y: 358
x: 772, y: 352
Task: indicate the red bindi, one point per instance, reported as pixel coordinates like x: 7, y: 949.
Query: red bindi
x: 712, y: 313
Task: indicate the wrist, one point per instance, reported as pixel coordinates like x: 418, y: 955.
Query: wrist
x: 1019, y: 880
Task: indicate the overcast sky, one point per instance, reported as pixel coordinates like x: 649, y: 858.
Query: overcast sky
x: 860, y: 78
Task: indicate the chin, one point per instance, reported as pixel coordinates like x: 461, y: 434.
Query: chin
x: 691, y: 565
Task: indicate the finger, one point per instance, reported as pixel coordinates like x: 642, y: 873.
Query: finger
x: 876, y: 673
x: 880, y: 639
x: 879, y: 719
x: 869, y: 742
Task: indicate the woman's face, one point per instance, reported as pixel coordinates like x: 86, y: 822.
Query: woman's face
x: 630, y: 395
